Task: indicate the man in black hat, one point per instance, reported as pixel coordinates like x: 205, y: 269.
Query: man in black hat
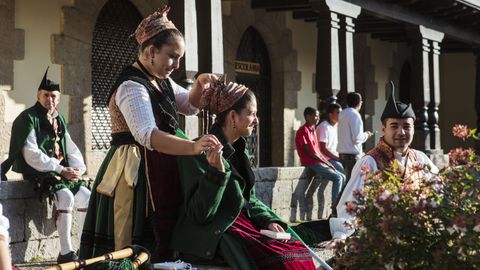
x: 42, y: 150
x: 398, y: 128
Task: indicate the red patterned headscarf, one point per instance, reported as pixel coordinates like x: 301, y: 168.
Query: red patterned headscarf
x: 153, y: 24
x: 221, y: 96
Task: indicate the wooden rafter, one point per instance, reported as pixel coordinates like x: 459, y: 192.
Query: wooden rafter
x: 275, y: 4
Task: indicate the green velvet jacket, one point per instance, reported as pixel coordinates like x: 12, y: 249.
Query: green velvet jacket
x: 212, y: 200
x: 33, y: 118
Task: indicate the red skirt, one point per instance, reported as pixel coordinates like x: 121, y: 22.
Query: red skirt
x: 267, y: 253
x: 165, y: 191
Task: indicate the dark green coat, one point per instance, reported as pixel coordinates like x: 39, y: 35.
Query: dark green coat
x: 213, y: 200
x: 33, y: 118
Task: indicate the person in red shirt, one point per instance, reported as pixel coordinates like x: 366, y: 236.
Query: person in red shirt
x: 310, y: 156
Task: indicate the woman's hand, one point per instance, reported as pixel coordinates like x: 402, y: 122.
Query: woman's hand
x: 205, y: 143
x: 203, y: 82
x: 275, y: 227
x: 330, y: 244
x: 214, y: 157
x: 205, y: 79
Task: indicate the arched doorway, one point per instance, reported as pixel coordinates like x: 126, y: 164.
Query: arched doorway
x: 112, y: 50
x: 405, y: 87
x: 252, y: 68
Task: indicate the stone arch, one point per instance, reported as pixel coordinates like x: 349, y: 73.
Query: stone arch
x: 405, y: 83
x: 72, y: 49
x: 401, y: 58
x: 252, y: 48
x: 286, y: 79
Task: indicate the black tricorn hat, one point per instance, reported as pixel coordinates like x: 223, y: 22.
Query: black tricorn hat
x: 47, y: 84
x: 397, y: 109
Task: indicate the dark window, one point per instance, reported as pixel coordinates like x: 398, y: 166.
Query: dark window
x: 112, y: 50
x: 252, y: 49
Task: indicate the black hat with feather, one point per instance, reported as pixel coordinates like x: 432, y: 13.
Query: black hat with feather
x: 397, y: 109
x: 47, y: 84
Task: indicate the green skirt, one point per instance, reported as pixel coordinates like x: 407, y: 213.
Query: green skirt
x: 98, y: 232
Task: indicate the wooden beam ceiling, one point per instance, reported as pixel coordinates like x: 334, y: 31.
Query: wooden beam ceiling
x: 389, y: 19
x: 274, y: 4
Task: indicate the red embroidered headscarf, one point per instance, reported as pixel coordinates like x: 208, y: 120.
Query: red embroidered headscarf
x: 153, y: 24
x: 221, y: 96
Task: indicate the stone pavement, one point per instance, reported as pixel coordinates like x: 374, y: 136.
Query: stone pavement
x: 325, y: 254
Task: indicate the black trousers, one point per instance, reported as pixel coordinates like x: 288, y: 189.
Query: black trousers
x: 348, y: 162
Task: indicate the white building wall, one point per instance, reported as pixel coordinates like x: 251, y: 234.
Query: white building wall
x: 305, y: 43
x: 39, y: 19
x: 304, y: 37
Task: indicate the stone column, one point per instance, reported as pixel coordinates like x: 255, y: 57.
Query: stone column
x: 435, y: 98
x: 426, y: 86
x: 335, y: 38
x: 421, y: 88
x: 210, y: 36
x: 184, y: 15
x: 210, y: 47
x: 349, y: 63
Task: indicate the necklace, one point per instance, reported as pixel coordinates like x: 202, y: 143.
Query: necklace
x: 144, y: 69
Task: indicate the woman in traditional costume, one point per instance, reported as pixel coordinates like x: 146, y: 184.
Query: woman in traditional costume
x: 221, y: 217
x: 136, y: 188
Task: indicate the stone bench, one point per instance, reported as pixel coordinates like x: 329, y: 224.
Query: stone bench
x: 34, y: 237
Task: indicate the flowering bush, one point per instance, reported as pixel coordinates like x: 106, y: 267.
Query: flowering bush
x: 427, y: 222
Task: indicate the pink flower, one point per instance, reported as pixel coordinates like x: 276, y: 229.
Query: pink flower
x: 461, y: 131
x: 364, y: 169
x: 358, y: 193
x: 350, y: 207
x: 460, y: 156
x: 418, y: 166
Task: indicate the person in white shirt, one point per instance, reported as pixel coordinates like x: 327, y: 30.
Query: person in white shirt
x: 327, y: 135
x: 42, y: 150
x: 350, y: 133
x: 5, y: 260
x: 398, y: 129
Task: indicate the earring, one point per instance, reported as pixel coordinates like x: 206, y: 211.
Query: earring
x: 234, y: 125
x: 151, y: 62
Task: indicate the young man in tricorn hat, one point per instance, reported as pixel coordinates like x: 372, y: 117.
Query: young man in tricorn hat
x: 42, y: 150
x: 398, y: 128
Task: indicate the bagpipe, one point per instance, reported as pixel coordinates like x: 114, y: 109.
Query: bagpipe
x: 129, y: 258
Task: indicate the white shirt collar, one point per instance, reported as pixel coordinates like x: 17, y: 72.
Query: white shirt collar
x: 51, y: 116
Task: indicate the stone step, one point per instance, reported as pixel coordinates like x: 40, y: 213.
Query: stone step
x: 323, y: 253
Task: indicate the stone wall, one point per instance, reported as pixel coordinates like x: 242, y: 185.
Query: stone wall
x: 34, y: 237
x: 32, y: 230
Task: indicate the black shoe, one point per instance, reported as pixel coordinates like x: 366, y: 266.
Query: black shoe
x: 71, y: 256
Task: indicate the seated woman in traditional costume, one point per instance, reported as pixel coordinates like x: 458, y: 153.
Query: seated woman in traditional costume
x: 221, y: 217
